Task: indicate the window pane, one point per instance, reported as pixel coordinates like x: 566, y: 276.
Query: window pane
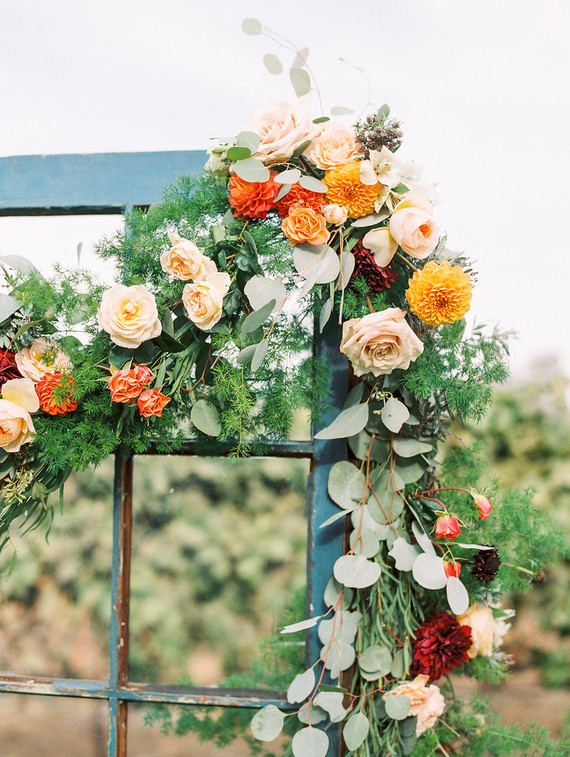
x: 219, y: 553
x: 48, y: 726
x: 171, y: 731
x: 56, y: 604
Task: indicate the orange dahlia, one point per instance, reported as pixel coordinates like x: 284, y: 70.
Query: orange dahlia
x: 251, y: 199
x: 439, y: 293
x: 298, y: 195
x: 54, y: 392
x: 346, y: 189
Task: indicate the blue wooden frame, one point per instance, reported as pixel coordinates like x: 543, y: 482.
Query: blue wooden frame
x: 111, y: 183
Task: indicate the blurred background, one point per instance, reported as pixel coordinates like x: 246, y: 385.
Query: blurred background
x: 479, y: 89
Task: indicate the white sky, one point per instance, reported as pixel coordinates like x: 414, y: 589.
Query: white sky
x: 481, y: 88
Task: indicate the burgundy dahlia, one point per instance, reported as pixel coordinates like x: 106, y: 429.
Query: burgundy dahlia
x: 441, y: 644
x: 376, y: 277
x: 8, y: 368
x: 487, y: 563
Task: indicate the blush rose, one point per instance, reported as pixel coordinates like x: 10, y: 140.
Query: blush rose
x: 129, y: 315
x: 335, y: 145
x: 380, y: 342
x: 184, y: 260
x: 281, y: 126
x: 427, y: 702
x: 413, y: 226
x: 203, y: 300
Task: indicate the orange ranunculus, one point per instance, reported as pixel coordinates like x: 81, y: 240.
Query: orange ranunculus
x: 143, y: 374
x: 439, y: 293
x: 298, y: 195
x: 251, y: 199
x: 346, y: 189
x: 152, y: 402
x: 54, y: 392
x: 305, y: 225
x: 484, y: 506
x: 125, y: 385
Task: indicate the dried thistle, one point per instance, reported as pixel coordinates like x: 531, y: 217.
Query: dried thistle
x: 376, y: 132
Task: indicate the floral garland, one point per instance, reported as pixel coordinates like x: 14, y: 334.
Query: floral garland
x: 210, y: 324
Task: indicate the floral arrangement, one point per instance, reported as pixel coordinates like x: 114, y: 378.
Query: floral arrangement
x: 208, y: 332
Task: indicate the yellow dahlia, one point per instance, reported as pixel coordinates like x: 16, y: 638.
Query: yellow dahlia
x: 439, y: 293
x: 346, y: 189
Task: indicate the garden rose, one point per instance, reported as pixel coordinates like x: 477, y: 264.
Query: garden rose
x: 124, y: 385
x: 305, y: 225
x: 447, y: 527
x: 152, y: 402
x: 183, y: 260
x: 203, y: 300
x: 42, y: 356
x: 380, y: 342
x: 129, y: 315
x: 480, y: 619
x: 333, y: 146
x: 16, y: 426
x: 413, y: 227
x: 427, y: 702
x: 282, y: 126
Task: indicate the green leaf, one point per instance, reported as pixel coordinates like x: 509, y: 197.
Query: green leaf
x: 205, y: 417
x: 401, y: 189
x: 340, y: 110
x: 267, y: 723
x: 326, y: 687
x: 310, y: 742
x: 317, y: 266
x: 238, y: 153
x: 330, y: 699
x: 312, y: 184
x: 348, y: 423
x: 301, y: 58
x: 272, y: 64
x: 6, y: 466
x: 411, y: 447
x: 247, y: 139
x: 8, y: 306
x: 259, y: 354
x: 394, y: 414
x: 246, y: 355
x: 300, y: 149
x: 325, y: 314
x: 397, y: 706
x: 355, y: 730
x: 384, y: 111
x: 251, y: 170
x: 167, y: 324
x: 356, y: 571
x: 290, y: 176
x: 251, y: 26
x: 300, y: 80
x: 321, y: 120
x: 302, y: 625
x: 248, y: 237
x: 301, y: 686
x: 354, y: 397
x: 257, y: 318
x: 346, y: 484
x: 18, y: 263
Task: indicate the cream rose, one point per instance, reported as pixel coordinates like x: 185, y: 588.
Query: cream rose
x: 281, y: 126
x: 480, y: 619
x: 380, y: 342
x: 16, y: 426
x: 129, y: 315
x: 184, y: 260
x: 413, y: 227
x: 42, y: 356
x: 21, y: 392
x: 203, y: 300
x: 335, y: 214
x: 333, y: 146
x: 381, y: 244
x: 427, y: 702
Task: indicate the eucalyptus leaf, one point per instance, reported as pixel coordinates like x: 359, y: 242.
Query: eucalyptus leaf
x: 312, y: 184
x: 259, y: 290
x: 332, y: 703
x: 259, y: 354
x: 371, y: 220
x: 251, y: 170
x: 204, y: 415
x: 397, y: 706
x: 349, y: 422
x: 325, y: 314
x: 342, y: 628
x: 423, y: 539
x: 376, y: 658
x: 364, y: 542
x: 404, y: 553
x: 251, y: 26
x: 272, y: 64
x: 246, y: 355
x: 398, y: 668
x: 18, y: 263
x: 302, y: 625
x: 311, y: 714
x: 361, y: 517
x: 410, y: 471
x: 429, y: 572
x: 236, y: 153
x: 394, y: 414
x: 282, y: 192
x: 301, y: 58
x: 356, y: 571
x: 355, y: 730
x: 247, y: 139
x: 291, y: 176
x: 334, y: 518
x: 411, y: 447
x: 457, y: 595
x: 257, y: 318
x: 267, y: 723
x: 317, y: 267
x: 347, y: 263
x: 354, y: 397
x: 300, y: 80
x: 346, y: 484
x: 341, y: 110
x: 8, y: 306
x: 338, y: 657
x: 301, y: 686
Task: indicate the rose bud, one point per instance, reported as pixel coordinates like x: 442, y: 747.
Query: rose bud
x: 447, y: 527
x: 484, y: 506
x: 452, y: 569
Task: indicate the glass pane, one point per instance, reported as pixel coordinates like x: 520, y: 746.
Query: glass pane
x: 56, y: 604
x: 171, y: 731
x: 219, y: 554
x: 47, y: 726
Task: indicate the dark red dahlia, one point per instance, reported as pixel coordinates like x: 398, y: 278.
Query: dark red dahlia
x: 376, y: 277
x: 8, y: 368
x: 487, y: 563
x: 441, y: 644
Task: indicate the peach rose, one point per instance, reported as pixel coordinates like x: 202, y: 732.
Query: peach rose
x: 184, y: 260
x: 480, y: 619
x: 335, y: 214
x: 152, y: 402
x: 427, y: 702
x: 129, y: 315
x: 305, y: 225
x: 42, y: 356
x: 203, y: 300
x: 413, y: 227
x: 333, y: 146
x: 16, y: 426
x: 282, y: 126
x: 380, y: 342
